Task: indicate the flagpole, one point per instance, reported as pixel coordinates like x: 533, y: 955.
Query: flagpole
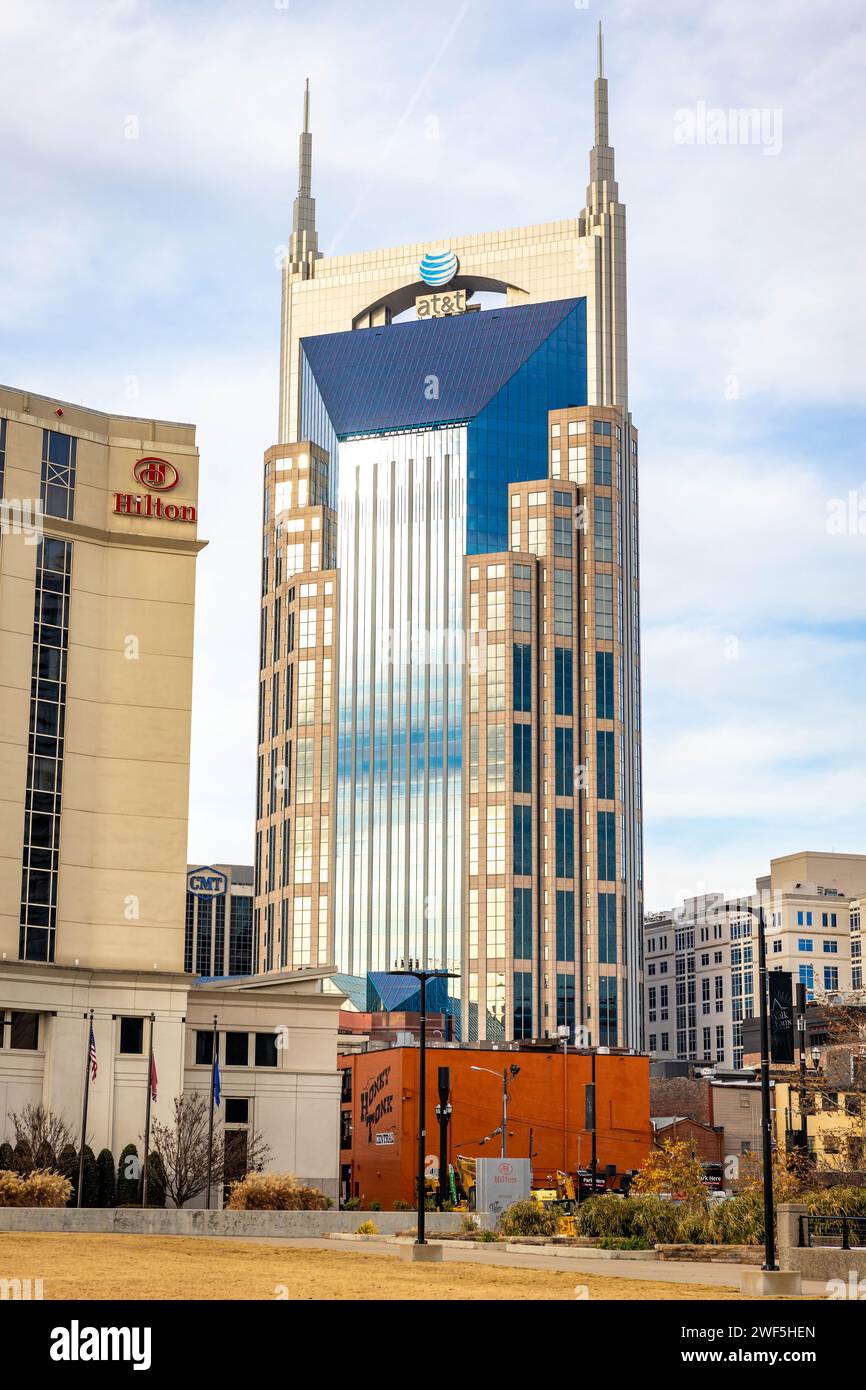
x: 84, y: 1113
x: 213, y: 1064
x: 147, y: 1114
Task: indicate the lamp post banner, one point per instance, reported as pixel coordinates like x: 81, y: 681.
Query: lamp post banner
x: 781, y: 1016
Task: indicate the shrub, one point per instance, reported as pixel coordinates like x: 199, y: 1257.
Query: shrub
x: 22, y: 1158
x: 654, y: 1221
x: 837, y: 1201
x: 127, y: 1192
x: 67, y: 1166
x: 648, y: 1218
x: 470, y: 1224
x: 34, y: 1189
x: 6, y: 1157
x: 739, y: 1221
x: 45, y: 1157
x: 105, y: 1178
x: 400, y: 1205
x: 352, y: 1204
x: 624, y: 1243
x: 604, y: 1216
x: 90, y: 1197
x: 527, y: 1218
x: 155, y: 1181
x: 274, y: 1192
x: 367, y: 1228
x: 375, y: 1206
x: 692, y: 1228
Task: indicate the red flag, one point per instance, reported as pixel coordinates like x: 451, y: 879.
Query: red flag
x: 153, y: 1078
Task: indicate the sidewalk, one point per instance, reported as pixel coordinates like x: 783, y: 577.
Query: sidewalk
x: 683, y: 1272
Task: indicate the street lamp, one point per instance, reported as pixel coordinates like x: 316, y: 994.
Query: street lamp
x: 505, y: 1071
x: 422, y: 976
x: 766, y: 1138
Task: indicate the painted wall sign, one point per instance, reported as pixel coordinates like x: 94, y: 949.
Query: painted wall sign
x: 377, y: 1102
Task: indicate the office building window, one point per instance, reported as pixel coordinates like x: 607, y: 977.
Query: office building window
x: 606, y: 845
x: 605, y: 768
x: 241, y: 935
x: 564, y: 842
x: 607, y: 1011
x: 563, y: 680
x: 522, y: 758
x: 604, y: 685
x: 522, y: 610
x: 496, y: 757
x: 564, y: 758
x: 522, y: 924
x: 563, y: 604
x: 601, y: 465
x: 58, y: 474
x: 607, y: 932
x: 38, y: 919
x: 565, y: 1002
x: 831, y: 977
x: 604, y: 606
x: 522, y: 677
x: 562, y: 535
x: 522, y: 1004
x: 603, y: 529
x: 132, y: 1036
x: 522, y: 839
x: 564, y: 924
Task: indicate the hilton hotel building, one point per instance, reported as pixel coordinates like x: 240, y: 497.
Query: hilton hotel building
x: 98, y: 549
x: 450, y: 574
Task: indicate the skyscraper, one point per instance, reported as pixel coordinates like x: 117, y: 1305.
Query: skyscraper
x: 468, y: 404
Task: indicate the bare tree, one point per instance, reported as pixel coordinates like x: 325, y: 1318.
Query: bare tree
x: 182, y: 1147
x: 43, y: 1133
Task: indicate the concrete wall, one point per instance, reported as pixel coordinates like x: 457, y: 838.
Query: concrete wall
x: 273, y: 1224
x: 815, y: 1262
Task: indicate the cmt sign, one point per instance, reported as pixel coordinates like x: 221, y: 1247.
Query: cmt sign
x: 206, y: 883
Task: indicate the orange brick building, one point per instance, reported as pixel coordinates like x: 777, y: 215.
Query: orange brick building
x: 379, y: 1124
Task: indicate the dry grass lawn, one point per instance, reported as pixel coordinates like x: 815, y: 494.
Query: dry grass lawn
x: 122, y: 1267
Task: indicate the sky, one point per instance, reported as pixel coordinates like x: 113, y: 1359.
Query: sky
x: 147, y: 169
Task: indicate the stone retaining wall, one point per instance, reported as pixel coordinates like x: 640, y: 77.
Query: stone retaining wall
x: 155, y: 1221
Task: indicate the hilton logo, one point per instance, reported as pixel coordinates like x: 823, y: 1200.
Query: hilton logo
x: 158, y: 475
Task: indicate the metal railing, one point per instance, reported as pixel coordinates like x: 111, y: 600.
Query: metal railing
x: 834, y: 1232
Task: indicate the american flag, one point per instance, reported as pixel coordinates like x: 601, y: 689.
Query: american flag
x: 153, y: 1078
x: 93, y: 1066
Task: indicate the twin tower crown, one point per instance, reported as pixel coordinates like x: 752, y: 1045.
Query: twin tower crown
x: 304, y: 245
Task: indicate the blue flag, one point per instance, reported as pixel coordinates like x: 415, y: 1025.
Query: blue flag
x: 216, y: 1081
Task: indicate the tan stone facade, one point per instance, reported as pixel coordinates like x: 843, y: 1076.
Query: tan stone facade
x: 295, y: 788
x: 547, y: 783
x: 102, y: 806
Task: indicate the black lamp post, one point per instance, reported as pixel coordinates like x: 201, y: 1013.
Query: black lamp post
x: 422, y: 976
x: 766, y: 1122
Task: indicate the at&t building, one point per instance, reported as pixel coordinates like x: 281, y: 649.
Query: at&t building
x: 449, y: 725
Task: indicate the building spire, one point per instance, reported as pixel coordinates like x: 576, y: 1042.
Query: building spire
x: 601, y: 157
x: 304, y: 245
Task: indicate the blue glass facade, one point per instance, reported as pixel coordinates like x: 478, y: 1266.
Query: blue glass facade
x: 430, y: 422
